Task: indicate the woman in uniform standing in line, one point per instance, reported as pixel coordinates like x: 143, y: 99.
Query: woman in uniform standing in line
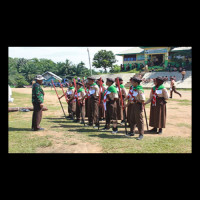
x: 158, y: 97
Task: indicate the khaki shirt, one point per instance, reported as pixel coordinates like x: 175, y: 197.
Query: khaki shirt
x: 81, y: 95
x: 113, y: 96
x: 138, y: 96
x: 94, y: 90
x: 160, y: 93
x: 123, y: 90
x: 70, y: 93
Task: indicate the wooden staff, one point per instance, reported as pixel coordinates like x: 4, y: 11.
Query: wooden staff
x: 122, y: 103
x: 80, y: 107
x: 63, y: 91
x: 100, y: 86
x: 58, y: 98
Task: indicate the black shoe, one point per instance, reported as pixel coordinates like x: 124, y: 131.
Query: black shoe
x: 39, y: 129
x: 160, y: 131
x: 105, y: 129
x: 140, y: 137
x: 90, y: 124
x: 153, y: 130
x: 130, y: 134
x: 77, y: 120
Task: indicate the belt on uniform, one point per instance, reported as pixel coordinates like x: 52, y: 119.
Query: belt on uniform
x: 135, y: 101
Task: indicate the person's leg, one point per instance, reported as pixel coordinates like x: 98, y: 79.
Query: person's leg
x: 139, y: 121
x: 96, y: 111
x: 174, y: 89
x: 34, y: 117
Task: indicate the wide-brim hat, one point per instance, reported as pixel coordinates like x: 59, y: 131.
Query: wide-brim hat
x: 101, y: 79
x: 91, y: 78
x: 79, y: 83
x: 39, y: 77
x: 160, y: 79
x: 120, y: 78
x: 110, y: 80
x: 136, y: 79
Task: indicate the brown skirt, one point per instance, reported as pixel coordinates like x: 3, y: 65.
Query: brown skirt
x: 72, y: 107
x: 111, y: 114
x: 136, y: 118
x: 158, y: 114
x: 119, y: 110
x: 129, y: 112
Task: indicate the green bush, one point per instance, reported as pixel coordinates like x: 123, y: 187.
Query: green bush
x: 20, y: 81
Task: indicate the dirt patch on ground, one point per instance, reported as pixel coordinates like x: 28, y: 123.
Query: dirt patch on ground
x: 179, y: 122
x: 61, y: 144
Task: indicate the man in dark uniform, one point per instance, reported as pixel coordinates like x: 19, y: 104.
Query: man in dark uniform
x: 37, y: 101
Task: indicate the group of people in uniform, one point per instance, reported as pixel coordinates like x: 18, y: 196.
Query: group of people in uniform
x: 111, y: 101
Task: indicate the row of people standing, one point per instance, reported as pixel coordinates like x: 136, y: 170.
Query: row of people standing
x: 87, y: 103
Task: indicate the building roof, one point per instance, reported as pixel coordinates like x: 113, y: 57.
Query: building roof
x: 52, y: 74
x: 181, y: 49
x: 135, y: 50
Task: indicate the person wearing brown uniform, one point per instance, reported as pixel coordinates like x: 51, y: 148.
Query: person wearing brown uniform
x: 158, y: 97
x: 124, y: 94
x: 37, y: 101
x: 129, y: 105
x: 101, y: 108
x: 110, y: 105
x: 80, y: 103
x: 71, y: 103
x: 136, y: 113
x: 93, y: 106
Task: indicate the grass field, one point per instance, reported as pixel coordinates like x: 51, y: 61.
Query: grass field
x: 64, y: 136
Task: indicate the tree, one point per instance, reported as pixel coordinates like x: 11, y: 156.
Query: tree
x: 115, y: 69
x: 104, y: 59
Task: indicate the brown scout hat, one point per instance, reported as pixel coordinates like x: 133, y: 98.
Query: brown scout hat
x: 91, y: 78
x: 78, y: 83
x: 110, y: 80
x: 120, y: 78
x: 137, y: 79
x: 160, y: 79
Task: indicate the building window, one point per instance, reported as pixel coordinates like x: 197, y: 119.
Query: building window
x: 129, y: 57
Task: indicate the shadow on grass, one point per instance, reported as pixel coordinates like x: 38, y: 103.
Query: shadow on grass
x: 19, y: 129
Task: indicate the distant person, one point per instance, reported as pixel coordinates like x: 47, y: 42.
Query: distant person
x: 173, y: 88
x: 183, y: 74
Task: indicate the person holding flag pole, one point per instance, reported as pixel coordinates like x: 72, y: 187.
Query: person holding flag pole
x: 136, y: 113
x: 122, y: 103
x: 80, y: 102
x: 69, y: 95
x: 93, y: 106
x: 58, y: 98
x: 110, y: 105
x: 100, y: 90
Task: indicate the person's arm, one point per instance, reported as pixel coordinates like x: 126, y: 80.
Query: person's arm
x: 150, y: 98
x: 39, y: 95
x: 165, y: 94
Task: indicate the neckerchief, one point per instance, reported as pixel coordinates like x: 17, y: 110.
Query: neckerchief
x: 93, y: 84
x: 154, y: 89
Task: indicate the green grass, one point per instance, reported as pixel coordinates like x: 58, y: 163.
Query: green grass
x: 182, y: 102
x: 183, y: 125
x: 22, y: 139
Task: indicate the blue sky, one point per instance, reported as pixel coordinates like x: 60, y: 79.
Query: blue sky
x: 60, y: 54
